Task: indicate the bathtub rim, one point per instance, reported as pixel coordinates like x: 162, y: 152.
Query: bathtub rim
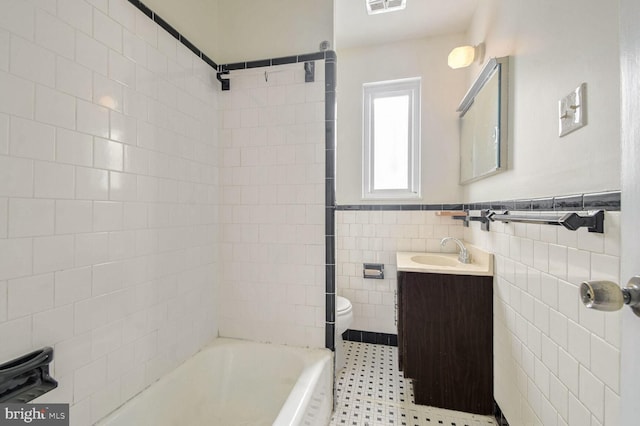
x: 292, y: 411
x: 315, y: 360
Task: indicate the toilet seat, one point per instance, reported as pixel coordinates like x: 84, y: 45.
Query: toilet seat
x: 343, y: 306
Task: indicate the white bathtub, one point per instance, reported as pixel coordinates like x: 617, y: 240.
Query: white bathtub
x: 235, y: 382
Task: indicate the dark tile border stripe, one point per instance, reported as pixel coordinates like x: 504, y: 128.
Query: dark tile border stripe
x: 175, y: 33
x: 284, y: 60
x: 370, y: 337
x: 259, y: 64
x: 609, y: 201
x: 168, y: 28
x: 403, y: 207
x: 209, y: 61
x: 190, y: 46
x: 602, y: 200
x: 144, y: 9
x: 234, y: 66
x: 315, y: 56
x: 329, y: 186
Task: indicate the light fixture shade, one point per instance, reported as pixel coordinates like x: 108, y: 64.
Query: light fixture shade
x: 461, y: 57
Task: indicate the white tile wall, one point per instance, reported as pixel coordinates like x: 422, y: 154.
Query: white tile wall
x: 31, y: 139
x: 539, y: 322
x: 272, y: 207
x: 54, y: 34
x: 556, y: 362
x: 108, y: 198
x: 4, y: 50
x: 375, y: 237
x: 55, y: 108
x: 73, y: 78
x: 31, y: 61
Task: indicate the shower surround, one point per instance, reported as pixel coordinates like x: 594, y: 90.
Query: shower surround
x: 143, y: 212
x: 272, y: 210
x: 108, y: 198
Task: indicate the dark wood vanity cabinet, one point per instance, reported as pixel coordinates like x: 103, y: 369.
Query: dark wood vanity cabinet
x: 445, y: 339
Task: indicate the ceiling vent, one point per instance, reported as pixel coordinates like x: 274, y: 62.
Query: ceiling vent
x: 381, y: 6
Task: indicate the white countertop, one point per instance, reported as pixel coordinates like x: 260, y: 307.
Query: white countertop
x: 481, y: 263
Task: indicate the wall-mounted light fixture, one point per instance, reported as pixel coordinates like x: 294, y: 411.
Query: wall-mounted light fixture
x: 463, y: 56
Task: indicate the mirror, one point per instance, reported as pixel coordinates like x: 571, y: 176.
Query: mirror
x: 483, y: 123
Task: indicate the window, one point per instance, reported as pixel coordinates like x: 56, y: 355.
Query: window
x: 391, y: 161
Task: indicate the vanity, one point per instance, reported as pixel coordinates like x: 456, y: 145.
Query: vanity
x: 445, y: 328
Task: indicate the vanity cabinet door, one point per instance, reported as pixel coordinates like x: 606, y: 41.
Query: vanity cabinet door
x: 447, y: 340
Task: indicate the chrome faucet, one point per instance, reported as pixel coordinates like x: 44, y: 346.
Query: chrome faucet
x: 463, y: 257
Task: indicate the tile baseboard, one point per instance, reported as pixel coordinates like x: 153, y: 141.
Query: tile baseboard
x: 370, y: 337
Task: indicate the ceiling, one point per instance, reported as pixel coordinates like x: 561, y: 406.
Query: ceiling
x: 421, y: 18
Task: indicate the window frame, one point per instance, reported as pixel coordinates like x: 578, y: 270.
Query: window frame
x: 371, y: 91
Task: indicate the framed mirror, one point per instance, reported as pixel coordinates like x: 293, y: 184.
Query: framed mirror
x: 483, y: 123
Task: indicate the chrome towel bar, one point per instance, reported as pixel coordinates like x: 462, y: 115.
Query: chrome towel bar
x: 594, y: 221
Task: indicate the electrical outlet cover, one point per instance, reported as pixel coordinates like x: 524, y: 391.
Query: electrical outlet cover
x: 572, y: 111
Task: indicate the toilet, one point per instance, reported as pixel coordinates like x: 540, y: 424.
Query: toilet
x: 344, y: 318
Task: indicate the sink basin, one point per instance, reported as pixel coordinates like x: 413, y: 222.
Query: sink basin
x: 434, y: 259
x: 446, y: 263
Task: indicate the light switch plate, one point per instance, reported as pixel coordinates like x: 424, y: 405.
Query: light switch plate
x: 572, y: 110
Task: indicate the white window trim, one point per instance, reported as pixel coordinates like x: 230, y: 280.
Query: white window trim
x: 412, y: 87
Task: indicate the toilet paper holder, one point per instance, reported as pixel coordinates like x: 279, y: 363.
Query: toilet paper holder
x: 373, y: 270
x: 608, y: 296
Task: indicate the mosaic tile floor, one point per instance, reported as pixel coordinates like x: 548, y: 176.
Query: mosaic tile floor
x: 370, y: 391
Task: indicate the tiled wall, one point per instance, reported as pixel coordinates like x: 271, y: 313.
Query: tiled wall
x: 556, y: 362
x: 375, y: 237
x: 108, y: 192
x: 272, y: 206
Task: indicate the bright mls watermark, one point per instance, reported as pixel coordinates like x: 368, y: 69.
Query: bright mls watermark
x: 34, y: 414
